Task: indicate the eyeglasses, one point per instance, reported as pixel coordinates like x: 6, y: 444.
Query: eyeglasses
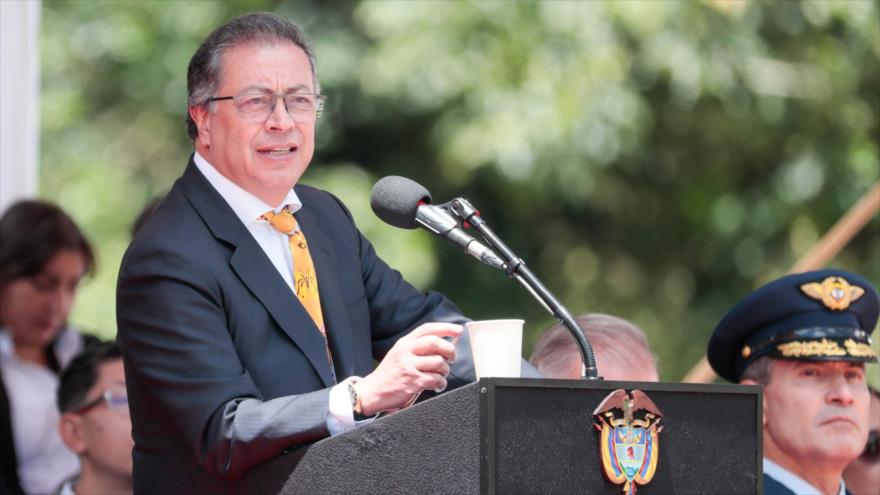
x: 116, y: 399
x: 258, y: 106
x: 872, y: 448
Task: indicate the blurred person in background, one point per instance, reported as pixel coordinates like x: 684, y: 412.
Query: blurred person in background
x: 43, y: 257
x: 621, y: 350
x: 805, y: 339
x: 95, y: 423
x: 862, y: 476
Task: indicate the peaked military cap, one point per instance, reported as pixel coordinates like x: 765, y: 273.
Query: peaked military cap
x: 824, y: 315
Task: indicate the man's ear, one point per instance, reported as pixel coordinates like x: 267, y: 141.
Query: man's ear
x: 748, y: 381
x: 200, y: 115
x: 70, y: 429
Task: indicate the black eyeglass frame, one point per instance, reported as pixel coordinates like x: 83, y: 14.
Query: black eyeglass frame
x: 320, y: 100
x: 106, y: 396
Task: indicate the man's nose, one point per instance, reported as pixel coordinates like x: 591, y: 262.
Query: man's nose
x: 280, y: 118
x: 840, y: 391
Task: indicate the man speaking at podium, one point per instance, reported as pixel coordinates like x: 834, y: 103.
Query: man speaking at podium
x: 247, y: 308
x: 805, y: 338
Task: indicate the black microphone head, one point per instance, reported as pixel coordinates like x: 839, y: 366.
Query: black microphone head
x: 395, y: 200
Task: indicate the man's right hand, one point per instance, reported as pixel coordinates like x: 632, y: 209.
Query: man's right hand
x: 418, y: 361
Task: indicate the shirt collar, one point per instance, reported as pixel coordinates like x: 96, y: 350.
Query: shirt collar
x: 67, y: 488
x: 794, y: 482
x: 247, y: 207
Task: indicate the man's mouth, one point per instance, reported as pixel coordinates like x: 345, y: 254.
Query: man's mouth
x: 277, y: 150
x: 839, y: 420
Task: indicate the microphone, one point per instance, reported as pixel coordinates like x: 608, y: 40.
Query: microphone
x: 404, y: 203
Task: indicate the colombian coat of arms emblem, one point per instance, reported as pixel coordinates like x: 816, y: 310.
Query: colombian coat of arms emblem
x: 629, y: 445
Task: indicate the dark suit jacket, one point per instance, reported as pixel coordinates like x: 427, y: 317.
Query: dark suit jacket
x: 9, y: 482
x: 773, y: 487
x: 224, y: 367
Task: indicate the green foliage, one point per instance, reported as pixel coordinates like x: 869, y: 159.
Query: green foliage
x: 653, y: 160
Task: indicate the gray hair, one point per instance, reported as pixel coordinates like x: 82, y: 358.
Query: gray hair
x: 758, y: 371
x: 204, y: 72
x: 556, y: 351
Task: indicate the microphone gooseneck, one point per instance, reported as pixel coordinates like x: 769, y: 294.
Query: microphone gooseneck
x: 516, y: 268
x: 404, y: 203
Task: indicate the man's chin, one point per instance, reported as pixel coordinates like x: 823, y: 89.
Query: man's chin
x: 272, y: 185
x: 841, y: 449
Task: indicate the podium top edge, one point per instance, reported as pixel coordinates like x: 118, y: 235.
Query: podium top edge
x: 715, y: 388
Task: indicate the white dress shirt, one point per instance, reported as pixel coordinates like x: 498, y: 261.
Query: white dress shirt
x: 794, y: 482
x: 66, y: 488
x: 43, y: 459
x: 249, y: 209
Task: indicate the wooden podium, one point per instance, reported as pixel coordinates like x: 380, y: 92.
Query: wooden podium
x: 519, y: 436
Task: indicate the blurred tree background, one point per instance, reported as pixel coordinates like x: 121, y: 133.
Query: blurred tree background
x: 650, y: 159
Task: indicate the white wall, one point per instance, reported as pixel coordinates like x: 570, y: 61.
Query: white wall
x: 19, y: 99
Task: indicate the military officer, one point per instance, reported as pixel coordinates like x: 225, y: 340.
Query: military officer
x: 805, y: 338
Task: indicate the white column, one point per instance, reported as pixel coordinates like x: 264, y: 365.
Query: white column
x: 19, y: 99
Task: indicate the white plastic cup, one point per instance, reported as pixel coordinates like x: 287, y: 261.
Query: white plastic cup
x: 496, y: 346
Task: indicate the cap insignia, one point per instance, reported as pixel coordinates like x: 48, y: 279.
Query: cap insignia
x: 807, y: 348
x: 858, y: 349
x: 834, y: 292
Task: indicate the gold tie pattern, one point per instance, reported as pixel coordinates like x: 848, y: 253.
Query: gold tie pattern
x: 305, y: 281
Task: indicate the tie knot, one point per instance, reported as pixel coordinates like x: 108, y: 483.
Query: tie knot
x: 283, y: 221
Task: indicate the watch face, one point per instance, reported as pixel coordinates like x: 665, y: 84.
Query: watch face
x: 355, y: 400
x: 352, y: 394
x: 356, y: 406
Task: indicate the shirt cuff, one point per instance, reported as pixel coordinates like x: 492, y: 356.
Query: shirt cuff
x: 341, y: 416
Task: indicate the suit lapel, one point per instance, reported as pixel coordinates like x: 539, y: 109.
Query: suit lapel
x: 253, y: 267
x: 332, y: 304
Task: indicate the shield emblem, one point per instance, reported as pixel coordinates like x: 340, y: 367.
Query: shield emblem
x: 629, y: 445
x: 629, y: 449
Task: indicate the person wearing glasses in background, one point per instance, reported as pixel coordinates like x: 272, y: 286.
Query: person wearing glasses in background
x: 250, y: 308
x: 95, y: 422
x: 43, y: 257
x: 862, y: 476
x: 805, y: 339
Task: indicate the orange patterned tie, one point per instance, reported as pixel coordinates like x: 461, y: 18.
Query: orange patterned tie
x: 305, y: 282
